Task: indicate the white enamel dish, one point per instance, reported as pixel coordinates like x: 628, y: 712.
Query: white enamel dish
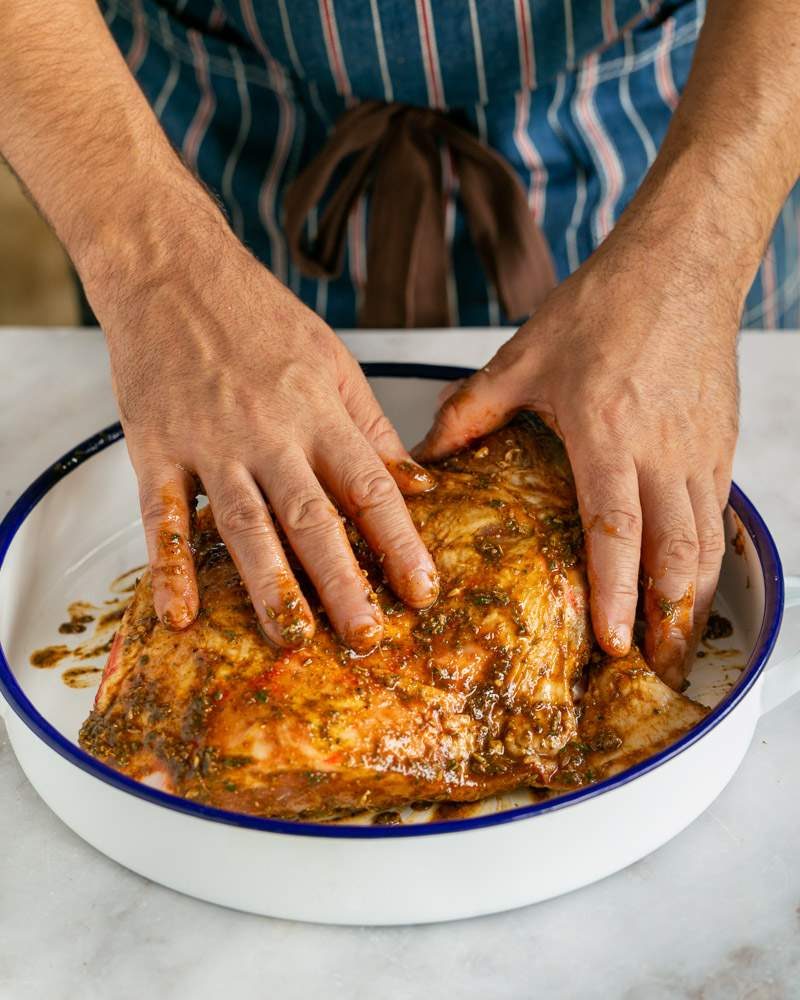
x: 77, y: 528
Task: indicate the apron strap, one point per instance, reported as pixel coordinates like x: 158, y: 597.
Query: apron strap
x: 394, y: 151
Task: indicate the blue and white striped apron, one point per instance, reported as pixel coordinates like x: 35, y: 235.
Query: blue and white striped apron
x: 575, y: 94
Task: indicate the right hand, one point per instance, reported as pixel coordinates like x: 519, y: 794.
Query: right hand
x: 222, y: 373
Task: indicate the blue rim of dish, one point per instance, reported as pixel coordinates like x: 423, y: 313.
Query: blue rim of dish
x: 22, y: 706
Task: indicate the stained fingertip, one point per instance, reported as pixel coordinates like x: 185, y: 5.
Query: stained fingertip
x: 175, y: 595
x: 165, y: 514
x: 176, y: 614
x: 711, y: 537
x: 670, y: 626
x: 476, y: 408
x: 420, y: 589
x: 269, y: 632
x: 437, y: 444
x: 613, y: 567
x: 293, y: 635
x: 615, y: 639
x: 297, y: 632
x: 284, y: 614
x: 668, y: 660
x: 291, y: 624
x: 423, y: 451
x: 362, y: 633
x: 411, y: 478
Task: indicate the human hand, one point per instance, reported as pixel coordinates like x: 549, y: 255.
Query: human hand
x: 632, y: 362
x: 222, y: 373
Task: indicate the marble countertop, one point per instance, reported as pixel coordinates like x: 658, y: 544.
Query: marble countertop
x: 715, y: 914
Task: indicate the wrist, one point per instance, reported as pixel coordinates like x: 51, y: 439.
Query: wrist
x: 698, y: 224
x: 138, y: 238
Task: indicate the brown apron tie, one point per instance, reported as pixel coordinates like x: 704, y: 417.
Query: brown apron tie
x: 395, y: 151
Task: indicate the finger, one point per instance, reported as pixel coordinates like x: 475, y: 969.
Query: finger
x: 370, y: 497
x: 366, y: 413
x: 609, y: 502
x: 164, y: 495
x: 246, y: 527
x: 316, y: 534
x: 670, y: 553
x: 711, y: 541
x: 723, y: 477
x: 483, y: 403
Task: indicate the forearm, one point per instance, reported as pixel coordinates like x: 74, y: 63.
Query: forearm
x: 81, y: 136
x: 732, y: 152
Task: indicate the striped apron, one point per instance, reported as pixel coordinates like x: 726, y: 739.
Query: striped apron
x: 576, y: 96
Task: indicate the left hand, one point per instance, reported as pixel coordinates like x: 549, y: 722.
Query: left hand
x: 632, y: 361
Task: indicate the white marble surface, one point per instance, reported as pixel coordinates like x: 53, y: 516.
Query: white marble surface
x: 715, y: 914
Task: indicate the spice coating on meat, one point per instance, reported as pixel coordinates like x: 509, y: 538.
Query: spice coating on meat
x: 471, y: 697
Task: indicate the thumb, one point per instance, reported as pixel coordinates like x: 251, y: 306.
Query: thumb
x: 448, y: 390
x: 481, y: 404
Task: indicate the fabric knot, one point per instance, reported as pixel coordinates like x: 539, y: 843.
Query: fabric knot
x: 394, y: 152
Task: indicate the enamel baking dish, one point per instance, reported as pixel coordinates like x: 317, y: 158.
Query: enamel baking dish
x: 77, y: 528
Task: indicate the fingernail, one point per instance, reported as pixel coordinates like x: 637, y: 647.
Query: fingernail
x: 362, y: 633
x: 270, y: 632
x: 411, y: 477
x: 421, y: 587
x: 284, y: 629
x: 417, y: 477
x: 177, y: 616
x: 296, y: 632
x: 618, y: 639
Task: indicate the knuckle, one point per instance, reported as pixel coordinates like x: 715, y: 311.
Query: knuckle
x: 722, y: 492
x: 154, y: 510
x: 612, y: 414
x: 237, y: 512
x: 622, y: 589
x: 307, y: 513
x: 730, y: 423
x: 166, y: 526
x: 367, y: 489
x: 262, y: 585
x: 294, y: 378
x: 622, y: 523
x: 711, y: 543
x: 680, y: 549
x: 339, y: 583
x: 403, y: 549
x: 379, y: 429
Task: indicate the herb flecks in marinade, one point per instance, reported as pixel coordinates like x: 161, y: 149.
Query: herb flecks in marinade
x: 468, y: 698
